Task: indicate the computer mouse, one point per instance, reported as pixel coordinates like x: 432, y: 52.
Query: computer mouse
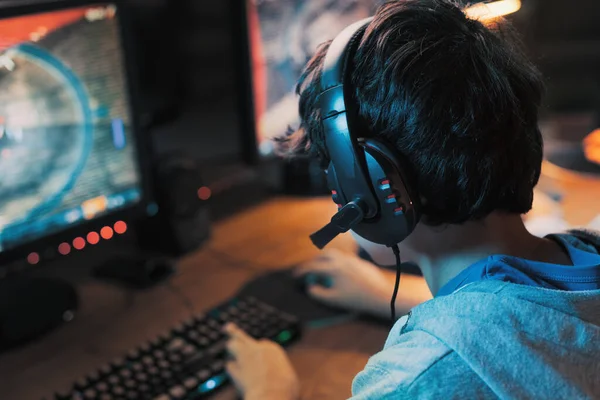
x: 312, y: 279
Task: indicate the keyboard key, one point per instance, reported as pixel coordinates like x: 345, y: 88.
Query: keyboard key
x: 190, y: 383
x: 175, y: 344
x: 102, y: 387
x: 217, y: 348
x: 81, y: 384
x: 137, y: 367
x: 203, y: 374
x: 193, y: 335
x: 148, y: 360
x: 144, y: 388
x: 177, y: 392
x: 189, y: 350
x: 118, y: 391
x: 133, y: 355
x: 255, y: 332
x: 162, y: 397
x: 145, y: 347
x: 105, y: 369
x: 141, y: 377
x: 217, y: 366
x: 213, y: 323
x: 166, y: 375
x: 117, y: 362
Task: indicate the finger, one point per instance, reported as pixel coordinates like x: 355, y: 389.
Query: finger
x: 321, y: 293
x: 235, y: 333
x: 235, y: 348
x: 233, y: 370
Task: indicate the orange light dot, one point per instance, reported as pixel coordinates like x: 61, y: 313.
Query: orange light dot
x: 64, y: 248
x: 120, y: 227
x: 106, y: 233
x: 33, y: 258
x: 79, y: 243
x: 204, y: 193
x: 93, y: 238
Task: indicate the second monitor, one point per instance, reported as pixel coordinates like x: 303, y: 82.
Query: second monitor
x: 282, y: 36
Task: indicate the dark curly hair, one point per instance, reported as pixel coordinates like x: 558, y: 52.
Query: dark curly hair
x: 459, y: 100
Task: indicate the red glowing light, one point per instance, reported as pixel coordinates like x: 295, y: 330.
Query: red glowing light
x: 93, y: 238
x: 33, y: 258
x: 106, y: 233
x: 79, y: 243
x: 204, y: 193
x: 64, y: 248
x: 120, y: 227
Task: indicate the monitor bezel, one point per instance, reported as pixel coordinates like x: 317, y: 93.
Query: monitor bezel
x: 245, y: 83
x: 47, y: 246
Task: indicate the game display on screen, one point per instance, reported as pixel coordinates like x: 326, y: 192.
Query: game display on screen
x: 67, y: 153
x: 284, y: 35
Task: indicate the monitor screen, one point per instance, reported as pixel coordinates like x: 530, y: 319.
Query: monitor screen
x: 66, y: 145
x: 284, y: 35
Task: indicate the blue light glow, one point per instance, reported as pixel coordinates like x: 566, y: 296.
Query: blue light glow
x: 212, y: 383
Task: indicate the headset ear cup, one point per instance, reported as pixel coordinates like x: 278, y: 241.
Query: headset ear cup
x: 398, y: 205
x: 337, y: 195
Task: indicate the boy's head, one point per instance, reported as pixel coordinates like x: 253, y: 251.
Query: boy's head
x: 458, y: 100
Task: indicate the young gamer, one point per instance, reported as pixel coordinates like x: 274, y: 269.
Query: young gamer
x: 427, y: 122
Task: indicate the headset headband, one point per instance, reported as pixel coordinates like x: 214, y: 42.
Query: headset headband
x: 344, y: 152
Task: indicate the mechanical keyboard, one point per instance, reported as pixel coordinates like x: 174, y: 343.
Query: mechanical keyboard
x: 188, y: 362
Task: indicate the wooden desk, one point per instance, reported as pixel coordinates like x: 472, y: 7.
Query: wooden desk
x: 112, y: 321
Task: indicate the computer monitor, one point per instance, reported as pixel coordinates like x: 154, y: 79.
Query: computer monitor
x: 72, y: 161
x: 281, y: 36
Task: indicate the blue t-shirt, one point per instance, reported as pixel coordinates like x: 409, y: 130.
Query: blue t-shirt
x: 584, y: 274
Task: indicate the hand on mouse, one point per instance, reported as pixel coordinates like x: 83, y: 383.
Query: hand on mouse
x: 355, y: 283
x: 361, y: 286
x: 260, y: 369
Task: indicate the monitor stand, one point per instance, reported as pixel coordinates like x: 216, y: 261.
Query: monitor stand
x: 31, y: 307
x: 135, y: 271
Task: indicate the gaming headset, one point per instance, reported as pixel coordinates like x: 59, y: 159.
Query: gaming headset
x: 366, y: 177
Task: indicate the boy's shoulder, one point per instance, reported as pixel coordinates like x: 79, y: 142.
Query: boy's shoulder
x: 490, y: 336
x: 416, y: 365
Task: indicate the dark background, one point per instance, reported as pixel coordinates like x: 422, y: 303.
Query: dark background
x: 187, y: 50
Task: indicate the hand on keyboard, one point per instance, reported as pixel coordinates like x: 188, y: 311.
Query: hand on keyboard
x: 260, y: 369
x: 189, y: 362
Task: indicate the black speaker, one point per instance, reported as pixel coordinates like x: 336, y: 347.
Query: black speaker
x: 182, y: 223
